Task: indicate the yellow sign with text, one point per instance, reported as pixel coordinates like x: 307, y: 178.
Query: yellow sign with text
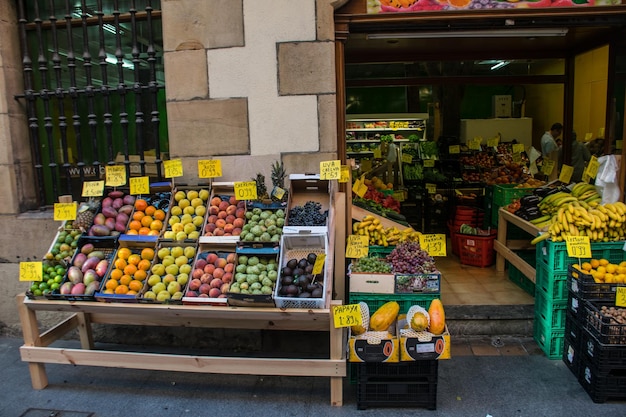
x: 347, y: 315
x: 139, y: 185
x: 357, y: 246
x: 173, y: 168
x: 566, y: 174
x: 330, y: 170
x: 434, y: 244
x: 345, y: 173
x: 245, y: 190
x: 578, y: 246
x: 209, y: 168
x: 518, y: 148
x: 592, y: 167
x: 93, y: 188
x: 64, y: 211
x: 429, y: 163
x: 454, y: 149
x: 620, y: 296
x: 31, y: 271
x: 115, y: 175
x: 548, y: 166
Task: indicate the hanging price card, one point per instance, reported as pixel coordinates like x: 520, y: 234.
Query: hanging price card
x: 173, y: 168
x: 578, y: 246
x: 378, y: 153
x: 245, y: 190
x: 346, y: 316
x: 406, y: 158
x: 493, y: 142
x: 93, y: 188
x: 620, y: 296
x: 209, y: 168
x: 345, y: 173
x: 278, y: 192
x: 474, y: 143
x: 398, y: 195
x: 359, y: 188
x: 454, y: 149
x: 319, y: 264
x: 432, y: 188
x: 64, y: 211
x: 115, y: 175
x: 357, y: 246
x: 588, y: 136
x: 619, y: 144
x: 31, y: 271
x: 429, y: 163
x: 548, y: 166
x: 592, y: 167
x: 330, y: 170
x: 516, y: 157
x: 566, y: 174
x: 518, y: 148
x: 434, y: 245
x: 139, y: 185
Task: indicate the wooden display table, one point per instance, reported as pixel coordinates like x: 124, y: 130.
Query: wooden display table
x: 504, y: 248
x: 36, y: 350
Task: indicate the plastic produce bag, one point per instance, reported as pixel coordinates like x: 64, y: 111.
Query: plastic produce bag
x: 606, y: 178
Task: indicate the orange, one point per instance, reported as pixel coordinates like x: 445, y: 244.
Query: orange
x: 150, y: 210
x: 120, y: 264
x: 143, y: 265
x: 132, y: 232
x: 124, y: 253
x: 121, y: 289
x: 125, y: 280
x: 147, y: 253
x: 586, y: 266
x: 141, y: 204
x: 611, y: 268
x: 134, y: 259
x: 156, y: 225
x: 135, y: 285
x: 140, y: 275
x: 138, y: 215
x: 594, y: 263
x: 603, y: 262
x: 601, y: 269
x: 154, y: 232
x: 159, y: 215
x: 623, y: 263
x: 111, y: 284
x: 144, y: 231
x: 130, y: 269
x: 134, y: 225
x: 131, y: 292
x: 116, y: 274
x: 146, y: 220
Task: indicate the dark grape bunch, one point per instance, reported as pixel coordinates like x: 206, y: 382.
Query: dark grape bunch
x: 409, y: 258
x: 308, y: 215
x: 374, y: 265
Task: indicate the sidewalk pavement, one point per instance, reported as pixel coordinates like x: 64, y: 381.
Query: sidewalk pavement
x: 477, y: 385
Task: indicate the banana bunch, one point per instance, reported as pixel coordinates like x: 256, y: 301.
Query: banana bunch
x: 602, y: 222
x: 378, y: 235
x: 584, y: 194
x: 587, y: 193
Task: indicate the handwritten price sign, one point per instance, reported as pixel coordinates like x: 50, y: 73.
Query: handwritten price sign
x: 173, y: 168
x: 115, y: 175
x: 93, y: 188
x: 345, y: 173
x: 210, y: 168
x: 245, y: 190
x: 620, y: 296
x: 330, y: 170
x: 64, y: 211
x: 319, y: 264
x: 407, y: 158
x: 592, y: 167
x: 566, y: 173
x: 454, y: 149
x: 432, y: 188
x: 139, y: 185
x: 548, y: 166
x: 518, y: 147
x: 359, y: 188
x: 357, y: 247
x: 474, y: 143
x: 429, y: 163
x: 493, y: 142
x: 434, y: 244
x: 31, y: 271
x: 578, y: 246
x: 517, y: 157
x: 346, y: 316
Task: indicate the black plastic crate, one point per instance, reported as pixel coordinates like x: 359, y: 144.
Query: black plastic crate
x: 603, y: 357
x: 602, y: 387
x: 571, y: 356
x: 585, y: 287
x: 573, y: 330
x: 604, y: 328
x: 405, y: 384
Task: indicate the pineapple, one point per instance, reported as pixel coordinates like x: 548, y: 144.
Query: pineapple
x: 278, y: 179
x: 261, y: 189
x: 86, y: 214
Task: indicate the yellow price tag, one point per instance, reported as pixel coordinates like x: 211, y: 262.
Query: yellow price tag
x: 209, y: 168
x: 548, y: 166
x: 278, y: 192
x: 347, y: 315
x: 429, y: 163
x: 493, y: 142
x: 139, y: 185
x: 398, y: 195
x: 378, y: 153
x: 458, y: 192
x: 518, y: 148
x: 173, y: 168
x: 31, y: 271
x: 330, y: 170
x: 345, y: 173
x: 357, y: 246
x: 588, y: 136
x: 361, y: 190
x: 245, y: 190
x: 578, y: 246
x: 64, y: 211
x: 434, y: 244
x: 516, y: 157
x: 592, y: 167
x: 432, y: 188
x: 474, y: 143
x: 115, y: 175
x: 93, y: 188
x: 566, y: 174
x: 620, y: 296
x: 454, y: 149
x: 407, y: 158
x: 318, y: 267
x: 619, y: 144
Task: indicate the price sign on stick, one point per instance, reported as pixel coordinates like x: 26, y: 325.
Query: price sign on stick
x: 345, y: 173
x: 173, y: 168
x: 319, y: 264
x: 359, y: 188
x: 548, y: 166
x: 245, y: 190
x: 518, y: 148
x: 64, y: 211
x: 278, y: 192
x: 432, y: 188
x: 592, y: 167
x: 474, y: 143
x: 566, y: 174
x: 517, y: 157
x: 330, y: 170
x: 429, y: 163
x: 31, y: 271
x: 346, y: 316
x: 357, y: 247
x: 93, y: 188
x: 115, y: 175
x: 139, y: 185
x: 454, y: 149
x: 378, y: 153
x: 434, y: 244
x: 620, y: 296
x: 578, y: 246
x: 493, y: 142
x: 209, y: 168
x: 407, y: 158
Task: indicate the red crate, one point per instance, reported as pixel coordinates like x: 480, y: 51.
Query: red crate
x: 477, y: 250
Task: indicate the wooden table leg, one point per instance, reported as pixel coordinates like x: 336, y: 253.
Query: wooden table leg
x: 502, y: 226
x: 84, y: 331
x: 336, y: 352
x: 30, y: 331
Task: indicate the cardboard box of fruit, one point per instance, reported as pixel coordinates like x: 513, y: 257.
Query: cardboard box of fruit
x: 188, y: 213
x: 256, y: 273
x: 374, y: 346
x: 211, y: 275
x: 308, y: 207
x: 226, y: 216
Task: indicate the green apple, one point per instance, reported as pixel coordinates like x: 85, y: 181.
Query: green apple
x: 158, y: 269
x: 182, y: 279
x: 168, y: 260
x: 177, y: 295
x: 172, y: 269
x: 174, y: 219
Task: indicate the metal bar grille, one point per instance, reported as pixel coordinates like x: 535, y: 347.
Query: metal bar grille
x: 87, y: 53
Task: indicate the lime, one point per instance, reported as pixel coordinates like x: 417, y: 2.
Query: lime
x: 37, y: 292
x: 55, y: 286
x: 43, y: 285
x: 34, y: 287
x: 58, y: 279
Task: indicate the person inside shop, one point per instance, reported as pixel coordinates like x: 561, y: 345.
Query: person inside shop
x: 549, y: 147
x: 580, y: 158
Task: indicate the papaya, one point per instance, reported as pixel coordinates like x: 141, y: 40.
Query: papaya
x: 437, y: 317
x: 419, y: 322
x: 384, y: 316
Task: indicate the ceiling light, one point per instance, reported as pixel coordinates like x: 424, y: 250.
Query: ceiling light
x: 496, y: 33
x: 500, y: 65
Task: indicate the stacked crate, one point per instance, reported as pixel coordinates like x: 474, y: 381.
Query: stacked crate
x: 595, y: 343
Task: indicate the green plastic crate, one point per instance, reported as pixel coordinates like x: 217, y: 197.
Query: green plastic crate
x: 374, y: 301
x: 550, y: 341
x: 551, y: 313
x: 552, y: 284
x: 504, y: 194
x: 379, y: 251
x: 553, y: 255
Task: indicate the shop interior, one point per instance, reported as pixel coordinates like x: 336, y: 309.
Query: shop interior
x: 452, y: 75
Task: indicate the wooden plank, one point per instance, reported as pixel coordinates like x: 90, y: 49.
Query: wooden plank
x: 515, y: 260
x: 30, y: 331
x: 358, y: 213
x: 186, y: 363
x: 337, y: 352
x: 84, y: 331
x: 58, y: 331
x: 518, y: 221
